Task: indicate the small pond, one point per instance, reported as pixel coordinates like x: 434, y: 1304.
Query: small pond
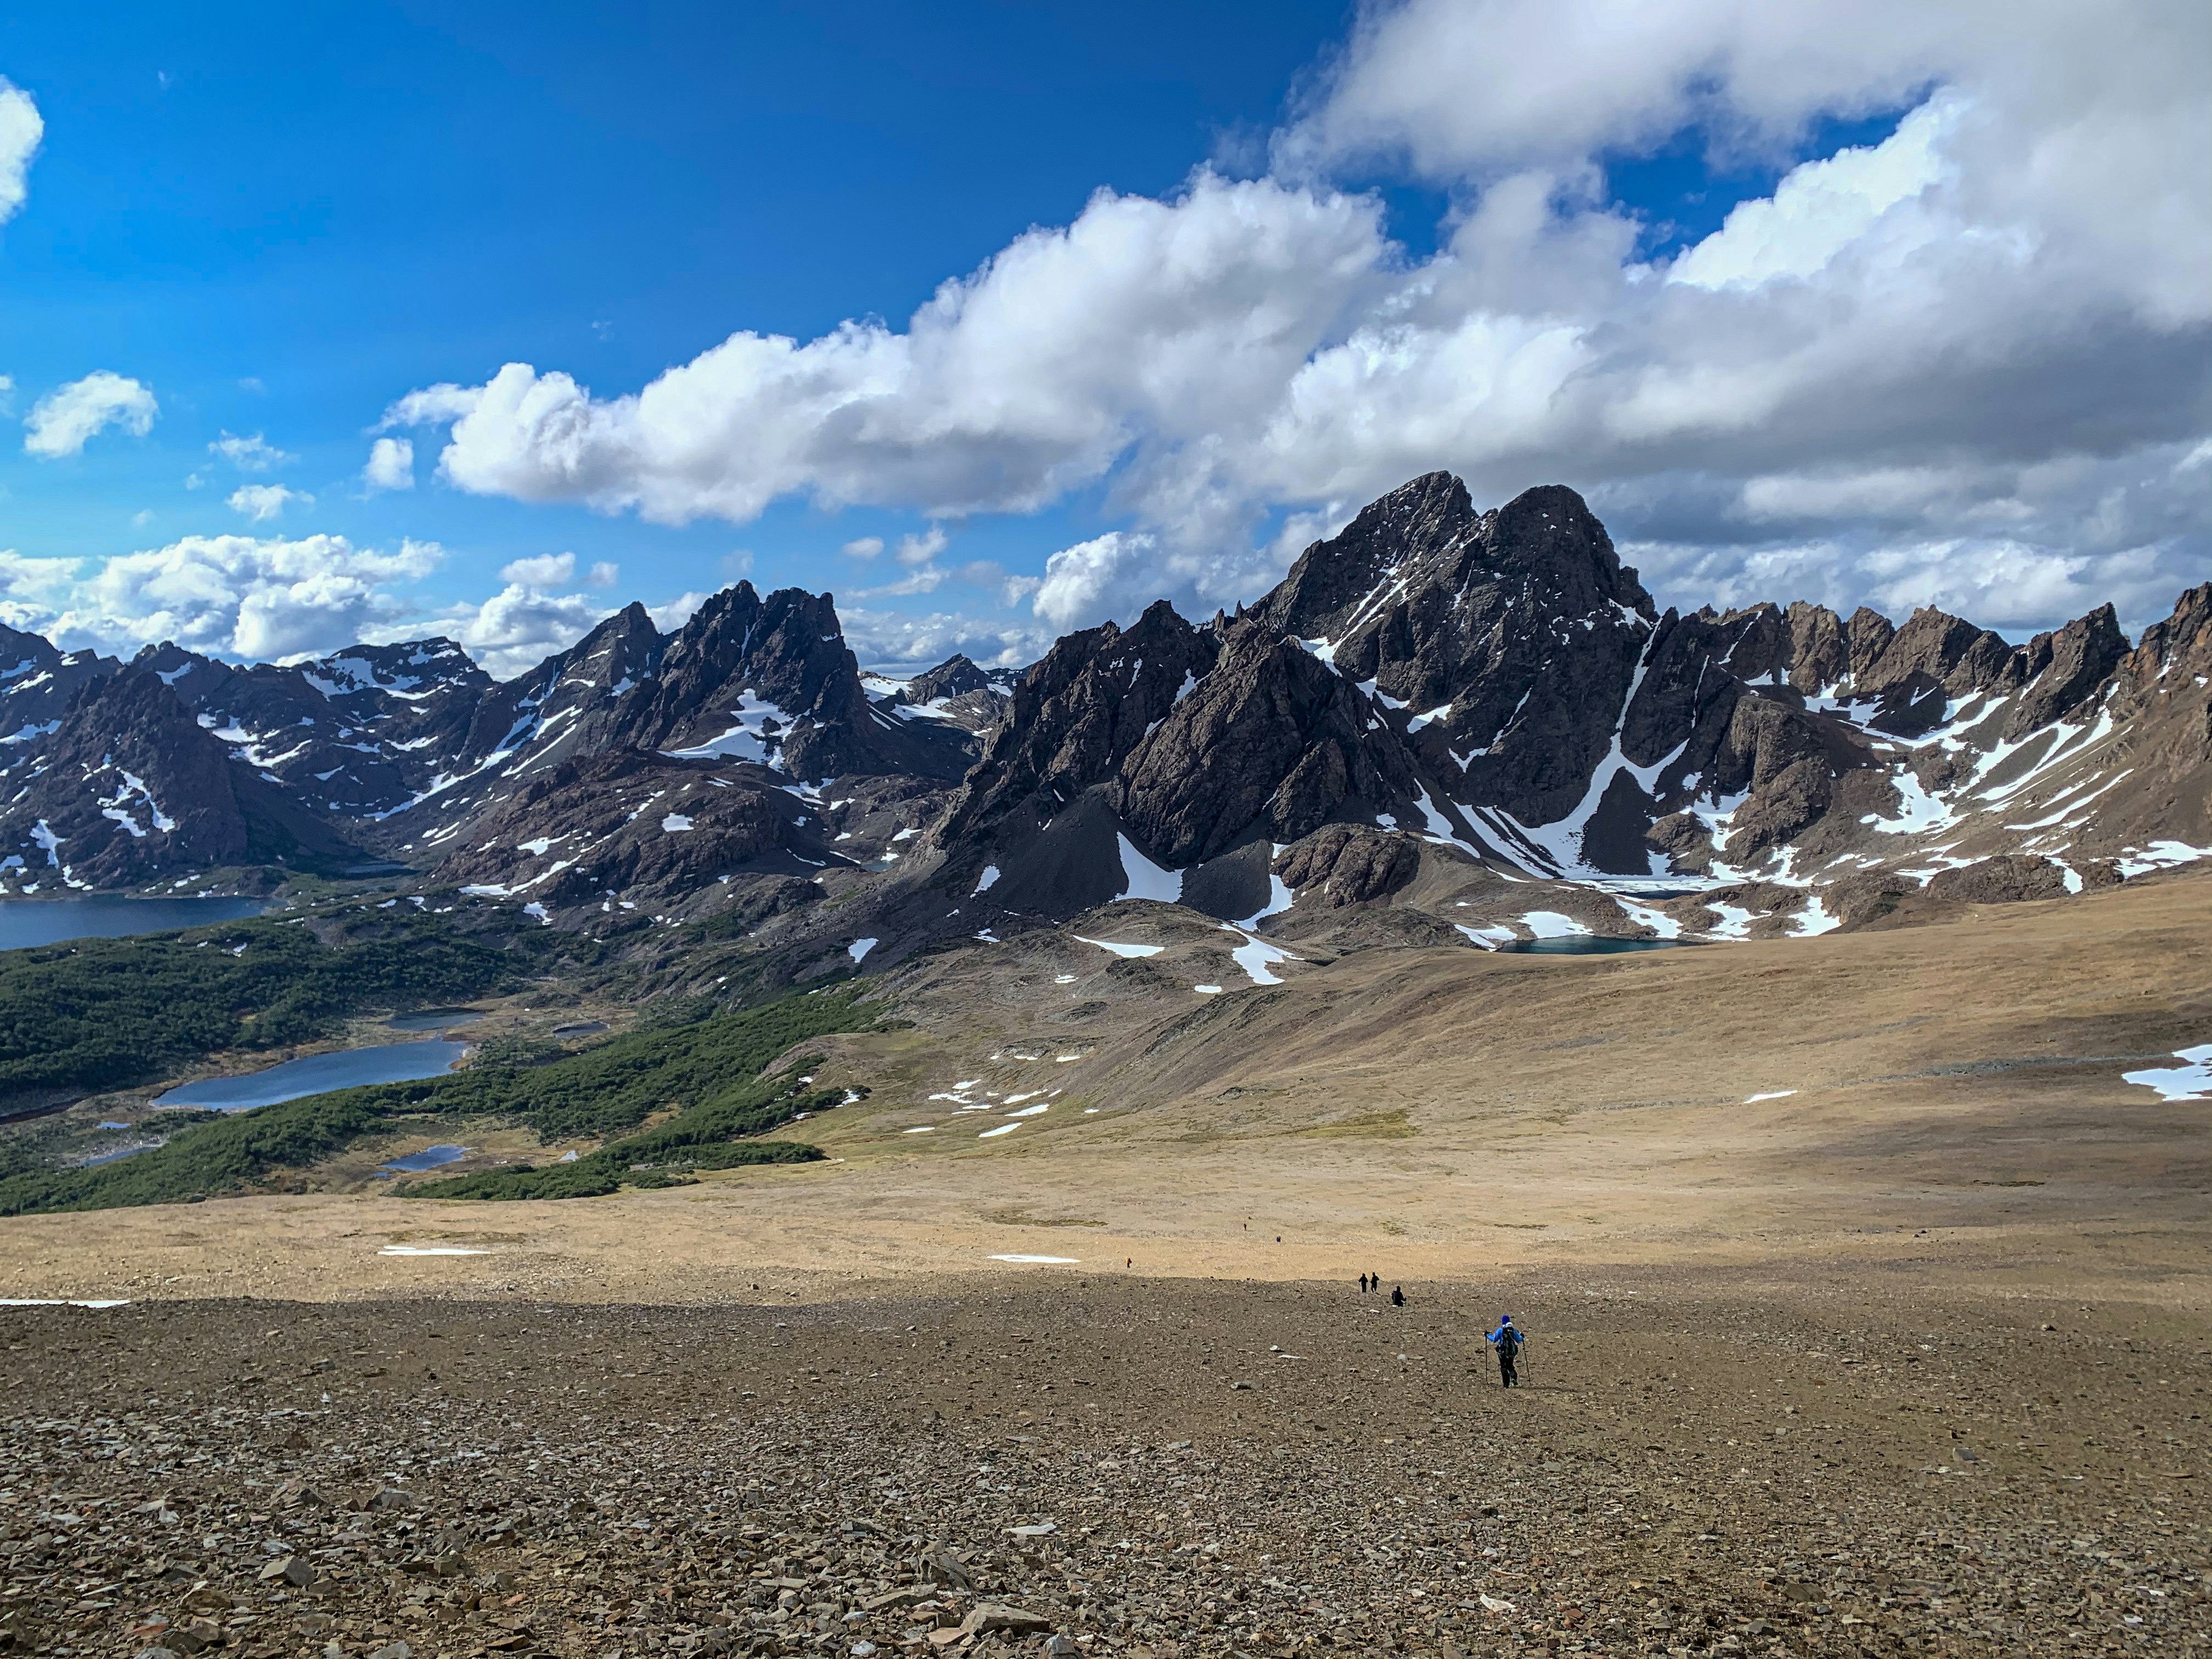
x: 1587, y: 945
x: 580, y: 1028
x: 28, y: 921
x: 428, y: 1159
x: 390, y: 1062
x: 110, y: 1158
x: 434, y: 1019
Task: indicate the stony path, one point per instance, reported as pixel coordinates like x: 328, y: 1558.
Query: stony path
x: 1057, y: 1465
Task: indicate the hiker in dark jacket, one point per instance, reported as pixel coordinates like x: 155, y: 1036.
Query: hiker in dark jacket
x: 1397, y: 1297
x: 1507, y: 1340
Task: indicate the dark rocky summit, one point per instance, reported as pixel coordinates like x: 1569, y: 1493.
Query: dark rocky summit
x: 1433, y: 705
x: 131, y: 789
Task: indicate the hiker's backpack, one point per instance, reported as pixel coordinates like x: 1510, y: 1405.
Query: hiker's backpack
x: 1509, y: 1344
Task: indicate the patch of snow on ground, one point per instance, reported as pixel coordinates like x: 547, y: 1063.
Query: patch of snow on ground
x: 921, y: 1129
x: 1918, y: 811
x: 674, y: 822
x: 1771, y: 1094
x: 1488, y: 938
x: 1551, y: 924
x: 534, y: 908
x: 1280, y: 897
x: 859, y: 949
x: 1662, y: 924
x: 1814, y: 919
x: 1734, y: 923
x: 2191, y: 1081
x: 1256, y: 957
x: 1207, y: 990
x: 749, y: 740
x: 2158, y: 855
x: 984, y: 882
x: 1120, y: 950
x: 1063, y: 978
x: 1003, y: 1129
x: 1146, y: 880
x: 1030, y: 1111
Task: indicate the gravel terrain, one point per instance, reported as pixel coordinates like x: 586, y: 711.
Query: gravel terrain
x: 1048, y: 1462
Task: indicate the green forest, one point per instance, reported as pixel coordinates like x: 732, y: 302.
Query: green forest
x: 706, y: 1073
x: 99, y: 1014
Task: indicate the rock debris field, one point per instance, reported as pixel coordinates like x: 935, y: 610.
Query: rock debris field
x: 1043, y: 1461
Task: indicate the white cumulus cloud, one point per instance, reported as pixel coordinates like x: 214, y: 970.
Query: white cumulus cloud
x: 249, y: 455
x: 1966, y: 360
x: 391, y: 465
x: 262, y: 599
x: 263, y: 502
x: 541, y: 570
x: 20, y: 131
x: 62, y: 421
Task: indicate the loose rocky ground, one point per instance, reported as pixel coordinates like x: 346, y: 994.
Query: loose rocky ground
x: 1059, y: 1461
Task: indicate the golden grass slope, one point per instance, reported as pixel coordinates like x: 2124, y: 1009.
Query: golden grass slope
x: 1946, y: 1098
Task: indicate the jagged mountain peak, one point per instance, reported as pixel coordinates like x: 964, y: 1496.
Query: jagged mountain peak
x: 130, y: 788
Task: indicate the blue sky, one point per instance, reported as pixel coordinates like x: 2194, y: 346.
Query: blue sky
x: 280, y: 221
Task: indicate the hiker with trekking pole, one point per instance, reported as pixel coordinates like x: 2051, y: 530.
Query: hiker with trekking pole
x: 1508, y: 1341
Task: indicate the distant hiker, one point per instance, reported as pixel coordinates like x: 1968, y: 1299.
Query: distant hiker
x: 1507, y: 1340
x: 1397, y: 1297
x: 1362, y: 1283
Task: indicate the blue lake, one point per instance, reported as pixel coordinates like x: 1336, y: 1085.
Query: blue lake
x: 391, y: 1062
x: 26, y: 922
x: 428, y: 1159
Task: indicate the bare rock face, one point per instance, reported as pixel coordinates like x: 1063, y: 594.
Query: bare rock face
x: 2007, y: 879
x: 568, y: 705
x: 955, y: 677
x: 1511, y: 636
x: 352, y: 735
x: 38, y: 681
x: 640, y: 824
x: 1077, y: 715
x: 1271, y: 742
x: 2068, y: 667
x: 1348, y: 864
x: 771, y: 680
x: 131, y: 789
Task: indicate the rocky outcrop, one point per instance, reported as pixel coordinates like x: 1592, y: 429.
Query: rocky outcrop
x: 1508, y: 640
x: 2067, y: 668
x: 2007, y: 879
x: 37, y: 684
x: 351, y: 735
x: 955, y: 677
x: 1077, y: 715
x: 630, y: 824
x: 1271, y: 743
x: 772, y: 681
x: 131, y: 789
x: 1348, y: 864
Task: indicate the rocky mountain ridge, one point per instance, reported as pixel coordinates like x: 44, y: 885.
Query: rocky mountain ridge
x: 1444, y: 724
